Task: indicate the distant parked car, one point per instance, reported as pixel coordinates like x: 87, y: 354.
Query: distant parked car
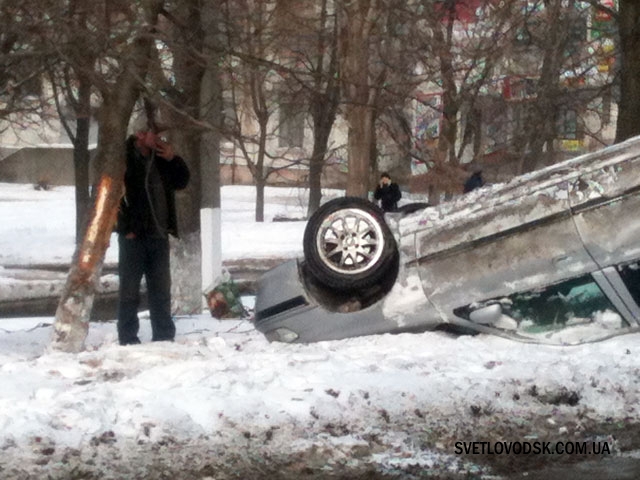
x: 552, y: 256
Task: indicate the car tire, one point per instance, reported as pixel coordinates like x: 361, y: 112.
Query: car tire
x: 348, y: 245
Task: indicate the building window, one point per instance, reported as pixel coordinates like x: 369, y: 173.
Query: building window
x: 291, y: 125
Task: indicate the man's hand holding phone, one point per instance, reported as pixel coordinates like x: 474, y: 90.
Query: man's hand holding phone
x: 164, y: 149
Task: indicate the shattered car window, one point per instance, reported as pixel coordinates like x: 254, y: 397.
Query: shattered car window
x: 570, y: 312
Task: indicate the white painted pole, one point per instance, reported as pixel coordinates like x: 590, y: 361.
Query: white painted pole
x: 210, y: 241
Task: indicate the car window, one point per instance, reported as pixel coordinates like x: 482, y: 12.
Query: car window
x: 569, y: 312
x: 630, y: 275
x: 575, y: 302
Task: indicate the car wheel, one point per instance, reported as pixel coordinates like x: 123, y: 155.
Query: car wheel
x: 348, y: 245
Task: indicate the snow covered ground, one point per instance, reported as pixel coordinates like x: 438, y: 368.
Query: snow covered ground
x: 221, y: 402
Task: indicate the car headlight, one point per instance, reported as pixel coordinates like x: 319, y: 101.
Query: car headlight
x: 281, y: 335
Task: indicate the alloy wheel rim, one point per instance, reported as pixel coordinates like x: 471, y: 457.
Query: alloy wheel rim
x: 350, y: 241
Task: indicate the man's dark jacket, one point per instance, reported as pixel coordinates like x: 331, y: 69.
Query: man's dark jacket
x: 148, y: 208
x: 473, y: 182
x: 388, y: 196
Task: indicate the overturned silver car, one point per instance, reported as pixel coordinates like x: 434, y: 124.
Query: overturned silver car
x: 551, y: 257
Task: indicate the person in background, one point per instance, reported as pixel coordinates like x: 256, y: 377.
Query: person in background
x: 146, y: 218
x: 388, y: 193
x: 473, y: 182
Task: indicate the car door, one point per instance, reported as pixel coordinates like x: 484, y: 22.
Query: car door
x: 605, y: 201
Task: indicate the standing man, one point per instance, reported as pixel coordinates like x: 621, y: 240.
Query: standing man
x: 388, y: 193
x: 146, y: 218
x: 473, y: 182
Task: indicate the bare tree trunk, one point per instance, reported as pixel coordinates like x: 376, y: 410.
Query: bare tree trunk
x: 356, y: 25
x: 450, y: 106
x: 260, y: 175
x: 446, y: 153
x: 323, y: 118
x: 81, y: 158
x: 316, y: 163
x: 629, y: 107
x: 74, y: 309
x: 80, y: 141
x: 324, y: 105
x: 260, y: 183
x: 189, y: 70
x: 542, y: 131
x: 360, y: 119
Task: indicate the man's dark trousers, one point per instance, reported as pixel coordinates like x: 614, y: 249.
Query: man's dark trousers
x: 148, y: 256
